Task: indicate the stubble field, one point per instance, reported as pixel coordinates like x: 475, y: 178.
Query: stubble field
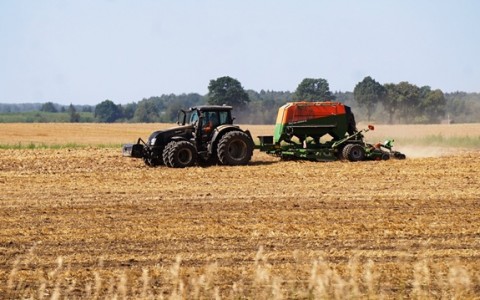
x: 84, y: 222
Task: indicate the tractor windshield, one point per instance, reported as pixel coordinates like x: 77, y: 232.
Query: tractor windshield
x: 192, y: 117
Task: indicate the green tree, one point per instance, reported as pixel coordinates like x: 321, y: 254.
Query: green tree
x: 49, y: 107
x: 311, y: 89
x: 107, y: 112
x: 73, y: 115
x: 432, y: 105
x: 128, y: 110
x: 368, y: 93
x: 227, y: 90
x: 408, y: 101
x: 146, y: 112
x: 171, y: 113
x: 390, y: 102
x: 87, y: 108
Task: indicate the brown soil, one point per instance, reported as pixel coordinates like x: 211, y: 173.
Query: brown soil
x: 106, y: 215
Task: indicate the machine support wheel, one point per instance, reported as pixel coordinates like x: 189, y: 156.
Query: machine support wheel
x: 182, y: 154
x: 354, y: 152
x: 153, y: 160
x: 235, y: 148
x: 346, y: 151
x: 212, y: 160
x: 149, y: 162
x: 385, y: 156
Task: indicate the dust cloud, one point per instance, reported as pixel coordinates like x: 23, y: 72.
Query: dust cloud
x: 415, y: 151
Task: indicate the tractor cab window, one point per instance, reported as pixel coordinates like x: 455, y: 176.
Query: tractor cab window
x: 192, y: 117
x: 224, y: 117
x: 211, y: 119
x: 216, y: 118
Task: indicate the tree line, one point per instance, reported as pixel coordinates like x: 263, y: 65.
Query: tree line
x: 370, y: 100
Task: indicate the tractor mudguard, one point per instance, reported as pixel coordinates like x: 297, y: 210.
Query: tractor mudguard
x: 221, y: 130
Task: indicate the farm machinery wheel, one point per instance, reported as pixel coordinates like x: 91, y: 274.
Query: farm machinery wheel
x: 210, y: 161
x: 235, y: 148
x: 339, y: 152
x: 354, y: 152
x: 165, y: 153
x: 385, y: 156
x: 182, y: 154
x: 153, y: 160
x: 399, y: 155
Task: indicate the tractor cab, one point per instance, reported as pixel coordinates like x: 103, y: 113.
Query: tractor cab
x: 213, y: 114
x: 205, y: 119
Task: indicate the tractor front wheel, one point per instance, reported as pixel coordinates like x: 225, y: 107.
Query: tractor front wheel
x: 166, y: 152
x: 182, y: 154
x: 235, y: 148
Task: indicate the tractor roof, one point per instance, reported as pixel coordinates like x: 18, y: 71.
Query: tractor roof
x: 212, y: 107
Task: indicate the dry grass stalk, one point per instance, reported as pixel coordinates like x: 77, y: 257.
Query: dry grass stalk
x: 323, y: 282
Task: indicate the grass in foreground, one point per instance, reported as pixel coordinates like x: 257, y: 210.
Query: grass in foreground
x: 352, y: 280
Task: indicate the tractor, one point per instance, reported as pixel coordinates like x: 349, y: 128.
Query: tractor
x: 204, y: 135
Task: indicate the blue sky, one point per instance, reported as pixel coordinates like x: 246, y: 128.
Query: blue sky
x: 86, y: 51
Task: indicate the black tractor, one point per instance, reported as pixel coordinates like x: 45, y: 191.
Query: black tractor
x: 204, y: 135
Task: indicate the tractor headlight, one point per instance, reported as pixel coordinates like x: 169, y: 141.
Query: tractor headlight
x: 152, y: 141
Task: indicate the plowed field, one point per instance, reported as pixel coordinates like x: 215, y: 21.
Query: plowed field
x: 87, y: 223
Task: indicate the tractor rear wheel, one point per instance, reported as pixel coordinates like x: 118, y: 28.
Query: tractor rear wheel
x: 182, y: 154
x: 235, y: 148
x: 354, y: 152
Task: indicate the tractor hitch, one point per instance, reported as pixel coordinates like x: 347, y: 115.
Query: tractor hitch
x: 135, y: 150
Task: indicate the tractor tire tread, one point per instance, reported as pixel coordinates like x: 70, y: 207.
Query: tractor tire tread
x: 166, y: 152
x: 235, y: 138
x: 349, y: 152
x: 175, y: 151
